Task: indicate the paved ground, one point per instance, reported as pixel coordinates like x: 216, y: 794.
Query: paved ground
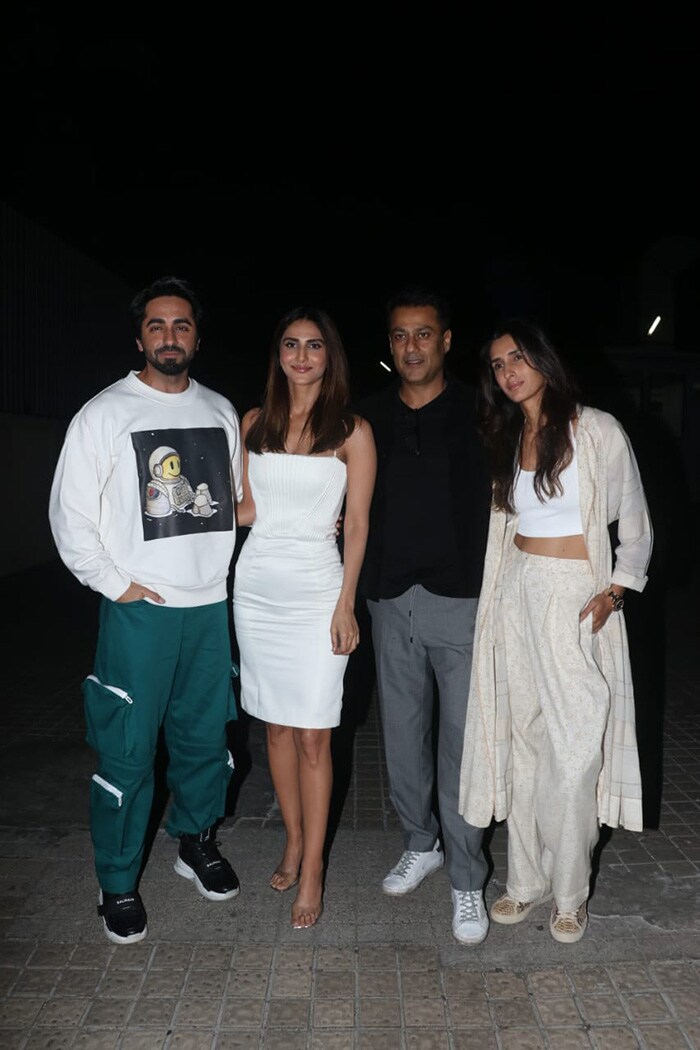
x: 375, y: 972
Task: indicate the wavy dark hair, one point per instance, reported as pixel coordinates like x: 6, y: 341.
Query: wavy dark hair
x: 502, y: 421
x: 330, y: 421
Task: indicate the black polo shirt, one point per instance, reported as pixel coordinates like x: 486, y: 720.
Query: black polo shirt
x: 429, y: 515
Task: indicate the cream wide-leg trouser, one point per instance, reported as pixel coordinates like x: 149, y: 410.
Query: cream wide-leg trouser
x: 559, y: 705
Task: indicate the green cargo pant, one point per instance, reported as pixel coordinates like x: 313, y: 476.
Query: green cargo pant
x: 156, y: 667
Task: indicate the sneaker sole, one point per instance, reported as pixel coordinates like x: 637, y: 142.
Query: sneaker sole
x: 133, y: 938
x: 568, y: 938
x: 471, y: 940
x: 404, y: 891
x: 188, y: 873
x: 512, y: 920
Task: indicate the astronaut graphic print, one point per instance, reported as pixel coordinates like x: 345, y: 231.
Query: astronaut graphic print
x: 184, y: 481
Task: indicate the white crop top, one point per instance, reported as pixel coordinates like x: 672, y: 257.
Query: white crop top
x: 557, y: 516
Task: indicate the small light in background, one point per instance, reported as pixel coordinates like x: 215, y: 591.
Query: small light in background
x: 385, y: 366
x: 654, y: 325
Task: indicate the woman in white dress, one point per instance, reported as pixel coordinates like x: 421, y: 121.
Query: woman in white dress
x: 305, y: 455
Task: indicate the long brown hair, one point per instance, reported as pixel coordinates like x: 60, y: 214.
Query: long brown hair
x: 330, y: 421
x: 502, y: 420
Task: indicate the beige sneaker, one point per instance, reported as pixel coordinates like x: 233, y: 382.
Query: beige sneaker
x: 508, y: 911
x: 569, y: 926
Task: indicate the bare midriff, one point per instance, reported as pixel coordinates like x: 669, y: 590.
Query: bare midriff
x: 573, y: 547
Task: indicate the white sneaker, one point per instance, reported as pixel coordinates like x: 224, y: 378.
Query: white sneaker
x: 411, y: 870
x: 470, y: 922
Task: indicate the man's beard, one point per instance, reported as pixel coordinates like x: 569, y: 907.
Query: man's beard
x: 170, y: 367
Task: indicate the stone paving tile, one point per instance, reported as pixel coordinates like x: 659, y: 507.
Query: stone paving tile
x: 112, y: 1012
x: 567, y: 1039
x: 40, y: 1040
x: 423, y: 1011
x: 245, y: 1039
x: 614, y: 1038
x: 325, y: 1039
x: 379, y: 1012
x: 163, y: 982
x: 379, y: 1039
x: 286, y: 1039
x: 425, y: 983
x: 427, y: 1039
x: 182, y: 1039
x: 469, y: 1012
x: 335, y: 1013
x: 522, y: 1039
x: 554, y: 1012
x: 338, y: 984
x: 97, y: 1038
x: 474, y: 1039
x: 513, y: 1013
x: 602, y: 1009
x: 692, y: 1032
x: 549, y: 982
x: 149, y: 1013
x: 379, y: 982
x: 197, y: 1012
x: 663, y: 1037
x: 139, y: 1040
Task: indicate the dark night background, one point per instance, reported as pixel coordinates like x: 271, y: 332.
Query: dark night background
x: 523, y: 160
x: 276, y: 157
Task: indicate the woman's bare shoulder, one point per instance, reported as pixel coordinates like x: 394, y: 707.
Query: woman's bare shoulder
x: 361, y: 441
x: 362, y: 425
x: 249, y: 418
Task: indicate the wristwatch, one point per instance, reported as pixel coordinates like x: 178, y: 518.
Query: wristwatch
x: 617, y: 600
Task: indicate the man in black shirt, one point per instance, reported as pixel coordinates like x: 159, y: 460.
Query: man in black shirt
x: 421, y: 579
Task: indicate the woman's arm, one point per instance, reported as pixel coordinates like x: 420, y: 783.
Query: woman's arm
x: 627, y: 505
x: 360, y: 456
x: 245, y: 510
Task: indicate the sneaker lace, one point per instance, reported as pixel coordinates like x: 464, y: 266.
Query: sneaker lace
x: 408, y: 859
x: 209, y: 851
x: 568, y: 921
x: 468, y: 906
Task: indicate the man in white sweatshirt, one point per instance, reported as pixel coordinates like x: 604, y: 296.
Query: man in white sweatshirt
x: 142, y: 510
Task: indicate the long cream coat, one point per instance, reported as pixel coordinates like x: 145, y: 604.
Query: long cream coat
x: 610, y: 490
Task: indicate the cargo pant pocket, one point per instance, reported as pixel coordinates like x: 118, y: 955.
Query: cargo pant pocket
x: 108, y: 718
x: 108, y: 813
x: 120, y: 805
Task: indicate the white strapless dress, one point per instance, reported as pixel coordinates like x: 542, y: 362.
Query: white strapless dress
x: 286, y: 584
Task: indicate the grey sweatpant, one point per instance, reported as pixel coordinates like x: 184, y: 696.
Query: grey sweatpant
x: 420, y: 638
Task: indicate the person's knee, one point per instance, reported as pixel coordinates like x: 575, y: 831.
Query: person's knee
x: 313, y: 745
x: 119, y: 789
x: 278, y: 736
x: 575, y: 779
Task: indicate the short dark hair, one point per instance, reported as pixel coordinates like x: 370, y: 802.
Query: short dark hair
x: 164, y: 286
x: 415, y: 295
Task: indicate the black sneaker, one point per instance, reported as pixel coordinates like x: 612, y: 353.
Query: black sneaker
x: 124, y: 916
x: 199, y: 859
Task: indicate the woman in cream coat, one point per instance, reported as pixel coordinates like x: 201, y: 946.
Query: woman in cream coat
x: 550, y: 742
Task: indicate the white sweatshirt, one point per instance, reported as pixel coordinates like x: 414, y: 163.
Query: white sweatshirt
x: 145, y: 491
